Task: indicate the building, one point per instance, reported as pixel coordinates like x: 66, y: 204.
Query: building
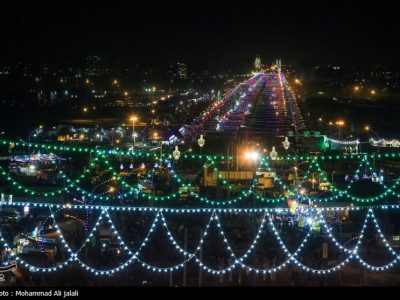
x: 96, y: 65
x: 182, y: 71
x: 178, y: 75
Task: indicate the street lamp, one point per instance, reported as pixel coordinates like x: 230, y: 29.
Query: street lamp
x: 157, y: 137
x: 330, y: 124
x: 133, y: 119
x: 253, y: 156
x: 295, y: 168
x: 34, y: 132
x: 369, y: 129
x: 153, y: 121
x: 103, y: 136
x: 340, y: 124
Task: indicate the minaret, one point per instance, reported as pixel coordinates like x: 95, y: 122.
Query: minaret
x: 278, y: 64
x: 257, y: 64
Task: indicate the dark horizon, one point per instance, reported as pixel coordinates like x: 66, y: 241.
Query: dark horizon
x: 208, y: 33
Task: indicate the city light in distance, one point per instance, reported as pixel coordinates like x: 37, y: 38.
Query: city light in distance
x: 340, y: 123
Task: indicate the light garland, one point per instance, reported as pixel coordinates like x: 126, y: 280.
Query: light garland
x: 143, y: 154
x: 192, y: 210
x: 110, y: 152
x: 292, y: 257
x: 385, y: 143
x: 341, y: 142
x: 243, y: 194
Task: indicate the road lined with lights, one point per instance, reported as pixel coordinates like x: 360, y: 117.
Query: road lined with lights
x: 264, y: 103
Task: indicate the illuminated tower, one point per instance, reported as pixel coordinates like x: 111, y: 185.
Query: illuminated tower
x: 257, y: 64
x: 278, y: 65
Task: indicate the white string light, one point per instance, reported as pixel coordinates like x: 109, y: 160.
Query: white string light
x: 291, y: 257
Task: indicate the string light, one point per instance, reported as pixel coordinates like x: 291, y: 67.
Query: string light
x: 148, y: 154
x: 337, y: 193
x: 238, y: 261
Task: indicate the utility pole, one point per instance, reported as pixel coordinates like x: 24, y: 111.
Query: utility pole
x: 227, y: 159
x: 221, y: 267
x: 237, y: 157
x: 228, y: 170
x: 201, y: 259
x: 253, y: 221
x: 313, y: 180
x: 184, y: 266
x: 161, y: 142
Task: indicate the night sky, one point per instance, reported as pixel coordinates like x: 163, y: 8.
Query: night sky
x: 205, y: 32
